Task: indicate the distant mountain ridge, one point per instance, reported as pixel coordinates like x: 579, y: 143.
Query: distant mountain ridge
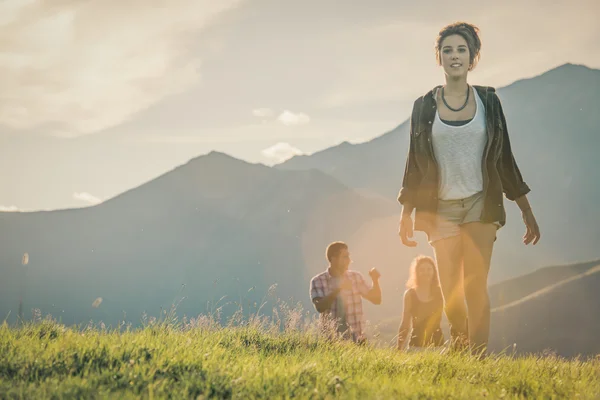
x: 561, y: 319
x: 515, y: 289
x: 212, y: 227
x: 553, y: 127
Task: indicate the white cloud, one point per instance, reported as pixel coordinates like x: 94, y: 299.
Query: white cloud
x: 263, y: 112
x: 286, y: 117
x: 395, y: 61
x: 88, y: 198
x: 280, y: 152
x: 80, y: 67
x: 9, y: 208
x: 289, y: 118
x: 10, y: 10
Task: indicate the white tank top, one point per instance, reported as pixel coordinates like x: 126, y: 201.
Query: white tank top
x: 459, y: 151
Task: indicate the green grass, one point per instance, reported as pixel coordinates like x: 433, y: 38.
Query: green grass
x: 202, y: 360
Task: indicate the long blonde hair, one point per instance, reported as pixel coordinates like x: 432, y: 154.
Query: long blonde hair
x: 413, y: 278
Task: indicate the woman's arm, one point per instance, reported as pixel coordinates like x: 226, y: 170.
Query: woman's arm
x: 406, y: 323
x: 523, y: 203
x: 532, y: 234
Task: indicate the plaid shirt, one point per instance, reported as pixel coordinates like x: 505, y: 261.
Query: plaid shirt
x: 323, y: 284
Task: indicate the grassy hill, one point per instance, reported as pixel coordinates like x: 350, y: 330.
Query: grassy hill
x: 198, y: 359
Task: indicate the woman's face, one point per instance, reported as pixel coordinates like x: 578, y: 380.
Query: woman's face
x: 425, y: 271
x: 455, y: 56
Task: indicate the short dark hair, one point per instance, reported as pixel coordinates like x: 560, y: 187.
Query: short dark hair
x: 469, y: 32
x: 334, y: 249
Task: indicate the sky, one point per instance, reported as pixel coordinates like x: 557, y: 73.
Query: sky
x: 151, y: 84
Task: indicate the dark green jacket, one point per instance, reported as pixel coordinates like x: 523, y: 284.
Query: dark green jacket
x: 500, y: 172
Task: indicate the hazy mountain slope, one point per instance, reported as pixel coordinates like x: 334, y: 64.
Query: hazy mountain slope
x: 553, y: 127
x: 562, y: 318
x: 215, y: 226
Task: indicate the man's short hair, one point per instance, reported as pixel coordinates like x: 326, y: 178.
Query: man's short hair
x: 334, y: 249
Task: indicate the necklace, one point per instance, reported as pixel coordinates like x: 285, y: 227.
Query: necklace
x: 456, y: 109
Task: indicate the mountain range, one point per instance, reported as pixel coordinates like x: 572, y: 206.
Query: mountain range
x: 559, y: 318
x: 212, y: 227
x: 553, y: 128
x: 217, y: 226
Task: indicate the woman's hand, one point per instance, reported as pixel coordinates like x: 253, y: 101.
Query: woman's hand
x: 532, y: 234
x: 406, y: 230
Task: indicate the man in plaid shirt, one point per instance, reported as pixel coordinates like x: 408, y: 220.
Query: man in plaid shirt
x: 337, y: 292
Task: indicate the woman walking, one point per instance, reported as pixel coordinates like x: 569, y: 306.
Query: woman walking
x: 459, y: 166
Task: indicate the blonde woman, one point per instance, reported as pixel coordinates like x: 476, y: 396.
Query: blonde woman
x: 423, y: 307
